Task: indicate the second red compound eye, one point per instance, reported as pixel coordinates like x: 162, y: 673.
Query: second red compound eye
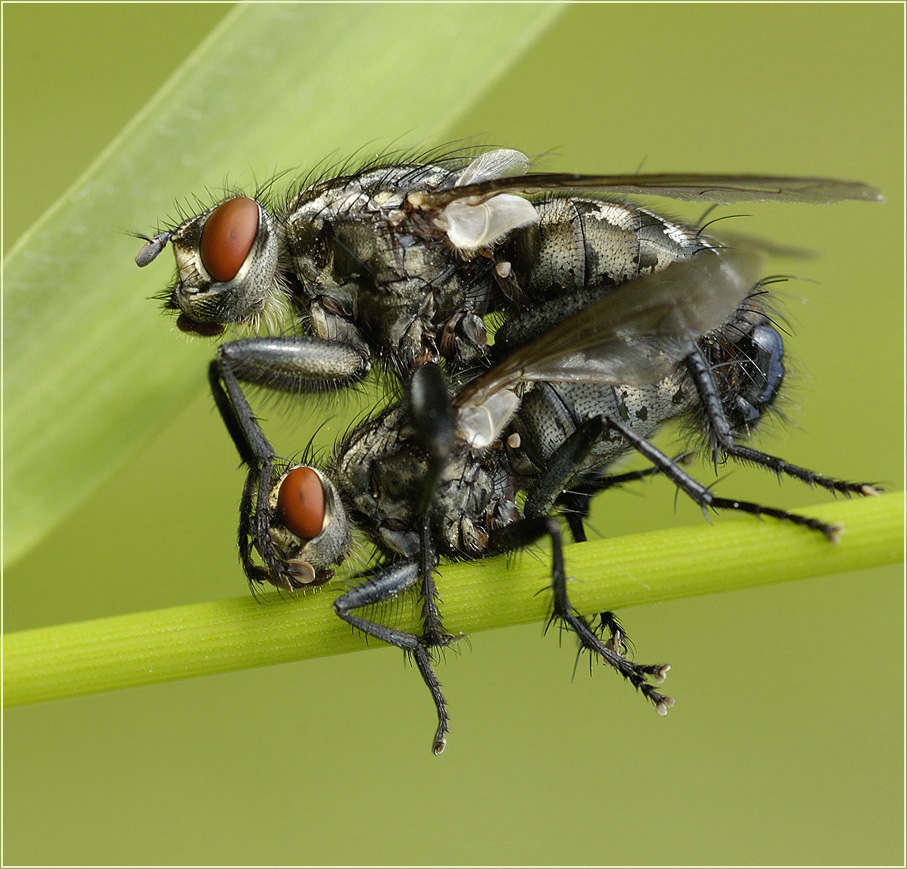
x: 300, y: 503
x: 228, y: 237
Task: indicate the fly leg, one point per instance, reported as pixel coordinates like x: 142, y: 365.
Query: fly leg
x: 547, y: 488
x: 577, y: 500
x: 383, y: 586
x: 703, y: 496
x: 433, y: 421
x: 576, y: 503
x: 286, y: 364
x: 529, y: 530
x: 722, y: 436
x: 298, y: 364
x: 435, y: 433
x: 258, y: 455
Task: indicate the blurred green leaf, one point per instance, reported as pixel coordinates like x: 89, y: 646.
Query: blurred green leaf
x: 91, y: 371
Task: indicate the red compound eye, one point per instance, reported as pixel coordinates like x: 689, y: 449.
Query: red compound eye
x: 300, y: 503
x: 228, y: 237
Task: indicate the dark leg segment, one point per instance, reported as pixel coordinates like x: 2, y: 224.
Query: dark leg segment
x: 528, y: 531
x: 617, y: 637
x: 290, y: 365
x: 298, y: 364
x: 548, y: 489
x: 703, y: 496
x: 257, y: 453
x: 577, y: 500
x: 576, y: 503
x: 433, y: 419
x: 383, y: 586
x: 250, y: 441
x: 247, y: 518
x: 561, y: 467
x: 286, y: 364
x: 722, y: 436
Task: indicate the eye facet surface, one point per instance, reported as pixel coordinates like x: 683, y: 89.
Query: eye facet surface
x: 300, y: 503
x: 228, y: 237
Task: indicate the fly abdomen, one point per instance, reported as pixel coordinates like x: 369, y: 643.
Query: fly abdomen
x: 581, y: 244
x: 551, y: 413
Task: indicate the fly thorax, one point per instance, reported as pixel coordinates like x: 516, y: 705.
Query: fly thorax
x: 378, y: 474
x: 463, y: 506
x: 463, y: 339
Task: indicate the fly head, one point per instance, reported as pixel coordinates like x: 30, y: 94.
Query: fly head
x: 308, y: 525
x: 227, y: 267
x: 747, y: 359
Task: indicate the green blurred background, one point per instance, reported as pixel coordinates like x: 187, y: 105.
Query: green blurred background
x: 786, y: 743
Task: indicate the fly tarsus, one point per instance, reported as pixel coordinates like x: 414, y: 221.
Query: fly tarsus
x: 383, y: 586
x: 607, y: 651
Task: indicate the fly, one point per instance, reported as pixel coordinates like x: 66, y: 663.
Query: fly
x: 400, y: 262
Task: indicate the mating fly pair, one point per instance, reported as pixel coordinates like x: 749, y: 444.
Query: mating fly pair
x: 611, y: 321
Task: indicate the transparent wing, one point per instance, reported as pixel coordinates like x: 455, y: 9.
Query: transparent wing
x: 494, y: 164
x: 723, y: 189
x: 632, y: 335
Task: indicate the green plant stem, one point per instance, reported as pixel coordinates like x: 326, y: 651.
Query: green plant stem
x: 145, y: 648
